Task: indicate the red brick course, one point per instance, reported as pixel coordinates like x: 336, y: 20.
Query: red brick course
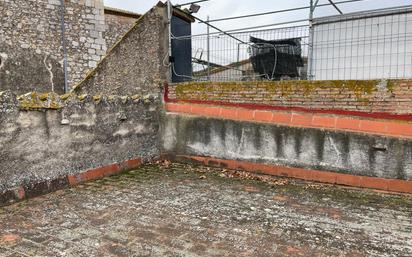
x: 393, y: 185
x: 103, y: 171
x: 94, y: 174
x: 35, y: 189
x: 385, y: 127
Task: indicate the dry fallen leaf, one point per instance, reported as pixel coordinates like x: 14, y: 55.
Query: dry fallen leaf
x: 313, y: 186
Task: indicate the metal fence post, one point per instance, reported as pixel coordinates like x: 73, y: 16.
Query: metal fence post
x: 208, y: 49
x: 169, y: 27
x: 310, y: 47
x: 65, y: 64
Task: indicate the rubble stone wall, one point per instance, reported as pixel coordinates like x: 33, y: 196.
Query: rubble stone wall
x: 117, y: 25
x: 136, y: 64
x: 31, y: 52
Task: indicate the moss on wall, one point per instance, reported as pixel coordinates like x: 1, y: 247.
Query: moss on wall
x: 360, y: 89
x: 35, y: 100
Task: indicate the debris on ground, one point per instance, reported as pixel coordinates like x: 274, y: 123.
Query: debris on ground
x: 170, y: 209
x: 226, y: 173
x: 163, y: 163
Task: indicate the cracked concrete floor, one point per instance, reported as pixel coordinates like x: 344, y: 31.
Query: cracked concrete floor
x: 184, y: 210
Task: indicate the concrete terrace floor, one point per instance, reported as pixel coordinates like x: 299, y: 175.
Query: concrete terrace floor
x: 180, y: 210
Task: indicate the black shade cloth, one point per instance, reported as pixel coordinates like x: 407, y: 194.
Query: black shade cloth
x: 273, y: 59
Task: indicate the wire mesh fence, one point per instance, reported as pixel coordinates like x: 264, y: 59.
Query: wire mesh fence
x: 271, y: 54
x: 365, y: 45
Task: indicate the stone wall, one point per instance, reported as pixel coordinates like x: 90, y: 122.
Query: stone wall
x: 31, y: 46
x: 369, y: 96
x: 136, y: 63
x: 118, y: 22
x: 44, y: 137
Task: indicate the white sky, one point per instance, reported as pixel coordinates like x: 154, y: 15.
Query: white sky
x: 226, y: 8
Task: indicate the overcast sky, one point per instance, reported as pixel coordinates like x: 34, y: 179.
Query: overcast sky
x: 226, y: 8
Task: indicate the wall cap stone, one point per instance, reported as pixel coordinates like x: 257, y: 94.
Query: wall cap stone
x: 53, y: 101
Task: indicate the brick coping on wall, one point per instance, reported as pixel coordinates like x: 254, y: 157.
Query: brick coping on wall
x: 392, y: 128
x: 266, y: 107
x: 384, y: 184
x: 257, y: 105
x: 43, y: 187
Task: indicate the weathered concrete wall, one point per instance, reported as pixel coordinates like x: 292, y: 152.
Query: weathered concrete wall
x: 43, y: 144
x: 135, y: 64
x: 309, y: 148
x: 31, y: 50
x: 118, y: 22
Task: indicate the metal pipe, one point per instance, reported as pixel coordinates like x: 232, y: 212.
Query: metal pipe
x: 336, y: 7
x: 208, y: 50
x: 241, y: 31
x: 194, y: 2
x: 238, y: 53
x: 311, y: 35
x: 281, y: 11
x: 254, y: 27
x: 169, y: 19
x: 216, y: 28
x: 63, y: 28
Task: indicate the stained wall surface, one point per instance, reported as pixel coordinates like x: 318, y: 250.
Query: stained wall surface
x: 31, y: 49
x: 308, y: 148
x: 42, y: 144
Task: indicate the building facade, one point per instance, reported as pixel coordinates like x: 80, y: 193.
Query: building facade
x: 364, y: 45
x: 32, y: 52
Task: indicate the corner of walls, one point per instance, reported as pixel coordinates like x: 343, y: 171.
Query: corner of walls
x: 129, y: 65
x: 46, y: 137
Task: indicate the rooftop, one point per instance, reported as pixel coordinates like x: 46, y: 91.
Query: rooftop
x: 180, y: 210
